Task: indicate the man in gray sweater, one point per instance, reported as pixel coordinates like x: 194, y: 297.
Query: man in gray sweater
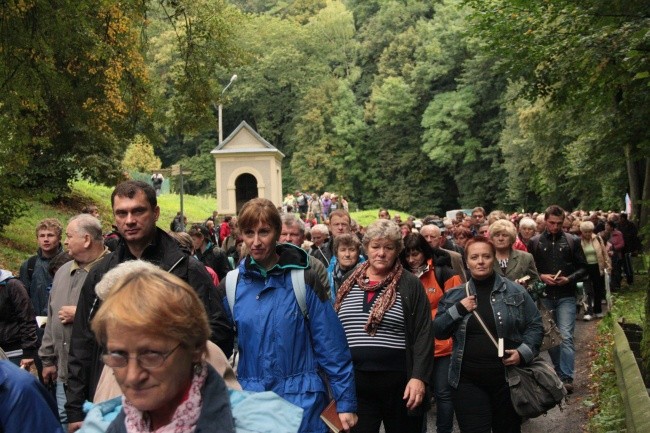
x: 85, y: 244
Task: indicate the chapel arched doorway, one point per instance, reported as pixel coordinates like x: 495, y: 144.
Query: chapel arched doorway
x: 245, y: 189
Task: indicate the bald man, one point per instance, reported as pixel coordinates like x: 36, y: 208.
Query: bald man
x: 434, y: 238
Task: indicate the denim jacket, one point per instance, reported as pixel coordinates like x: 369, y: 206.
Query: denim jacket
x: 515, y: 314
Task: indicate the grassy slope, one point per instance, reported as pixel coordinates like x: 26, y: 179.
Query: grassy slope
x: 18, y: 241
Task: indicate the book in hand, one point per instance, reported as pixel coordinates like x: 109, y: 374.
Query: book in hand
x: 331, y: 418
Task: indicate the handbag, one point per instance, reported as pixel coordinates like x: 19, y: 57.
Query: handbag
x: 552, y: 334
x: 535, y: 388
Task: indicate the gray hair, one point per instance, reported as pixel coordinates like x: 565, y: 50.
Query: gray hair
x: 110, y: 278
x: 290, y: 220
x: 88, y: 224
x: 348, y: 240
x: 527, y: 223
x: 321, y: 228
x: 384, y: 229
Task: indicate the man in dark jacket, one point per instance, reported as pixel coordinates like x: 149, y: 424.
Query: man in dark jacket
x: 136, y: 211
x: 632, y: 245
x: 34, y: 272
x: 561, y: 264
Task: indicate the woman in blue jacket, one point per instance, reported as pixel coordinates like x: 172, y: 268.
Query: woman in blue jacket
x: 281, y: 349
x: 477, y: 375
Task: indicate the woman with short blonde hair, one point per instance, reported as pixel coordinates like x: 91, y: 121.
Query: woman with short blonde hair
x: 598, y: 264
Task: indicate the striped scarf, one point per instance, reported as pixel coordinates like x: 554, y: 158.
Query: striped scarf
x: 385, y: 300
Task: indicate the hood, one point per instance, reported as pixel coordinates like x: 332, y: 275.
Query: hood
x: 5, y: 275
x: 291, y: 257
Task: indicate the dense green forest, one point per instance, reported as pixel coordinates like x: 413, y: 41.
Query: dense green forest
x: 419, y: 105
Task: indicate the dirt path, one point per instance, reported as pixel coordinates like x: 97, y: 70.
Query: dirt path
x: 573, y: 418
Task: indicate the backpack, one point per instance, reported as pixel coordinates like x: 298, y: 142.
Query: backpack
x: 297, y: 281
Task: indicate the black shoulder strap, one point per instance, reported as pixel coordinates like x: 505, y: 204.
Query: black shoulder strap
x: 439, y: 277
x: 31, y: 264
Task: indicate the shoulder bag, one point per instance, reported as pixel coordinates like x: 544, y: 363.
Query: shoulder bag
x: 535, y: 388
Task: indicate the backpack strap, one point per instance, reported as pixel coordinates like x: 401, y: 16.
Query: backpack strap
x: 231, y: 288
x: 300, y: 290
x: 31, y: 264
x: 439, y: 277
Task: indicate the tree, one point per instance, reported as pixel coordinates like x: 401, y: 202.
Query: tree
x: 325, y: 138
x: 584, y: 59
x: 139, y: 156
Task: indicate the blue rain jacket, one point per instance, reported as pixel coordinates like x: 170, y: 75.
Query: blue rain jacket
x: 284, y: 352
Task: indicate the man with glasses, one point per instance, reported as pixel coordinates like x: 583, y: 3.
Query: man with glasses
x: 478, y: 218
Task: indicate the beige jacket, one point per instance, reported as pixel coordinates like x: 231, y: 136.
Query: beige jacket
x: 601, y: 253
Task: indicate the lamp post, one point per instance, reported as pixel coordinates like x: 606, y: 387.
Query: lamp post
x: 232, y: 80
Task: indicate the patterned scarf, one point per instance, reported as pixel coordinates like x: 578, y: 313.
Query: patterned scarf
x: 185, y: 417
x: 385, y: 300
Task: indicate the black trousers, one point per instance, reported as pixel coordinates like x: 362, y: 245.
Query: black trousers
x: 482, y: 408
x: 595, y: 289
x: 379, y: 397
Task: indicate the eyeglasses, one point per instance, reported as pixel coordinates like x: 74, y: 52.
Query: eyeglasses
x: 148, y: 360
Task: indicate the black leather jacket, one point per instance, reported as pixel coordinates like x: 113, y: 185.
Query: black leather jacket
x: 85, y: 364
x: 553, y: 253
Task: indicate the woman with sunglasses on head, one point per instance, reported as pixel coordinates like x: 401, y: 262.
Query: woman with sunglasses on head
x: 154, y: 329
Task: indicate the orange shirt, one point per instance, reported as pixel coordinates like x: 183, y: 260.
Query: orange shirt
x: 434, y: 293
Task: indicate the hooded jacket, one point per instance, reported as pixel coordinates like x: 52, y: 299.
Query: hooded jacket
x: 284, y: 352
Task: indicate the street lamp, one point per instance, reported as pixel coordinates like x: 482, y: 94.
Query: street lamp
x: 232, y: 80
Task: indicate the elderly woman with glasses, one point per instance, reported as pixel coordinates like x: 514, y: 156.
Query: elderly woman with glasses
x: 153, y: 328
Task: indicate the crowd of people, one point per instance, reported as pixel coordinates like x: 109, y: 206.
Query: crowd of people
x: 306, y: 303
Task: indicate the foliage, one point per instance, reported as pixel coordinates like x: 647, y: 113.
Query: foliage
x: 72, y: 85
x: 75, y: 86
x: 587, y: 62
x: 609, y: 415
x: 139, y: 156
x: 628, y: 306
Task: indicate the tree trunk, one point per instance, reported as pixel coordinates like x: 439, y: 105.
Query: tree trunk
x: 644, y: 213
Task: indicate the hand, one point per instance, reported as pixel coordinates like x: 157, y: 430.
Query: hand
x: 561, y: 280
x: 66, y: 314
x: 548, y: 279
x: 74, y: 426
x: 469, y: 303
x: 348, y: 420
x: 511, y: 357
x: 414, y: 393
x: 49, y: 374
x: 523, y: 281
x: 26, y: 363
